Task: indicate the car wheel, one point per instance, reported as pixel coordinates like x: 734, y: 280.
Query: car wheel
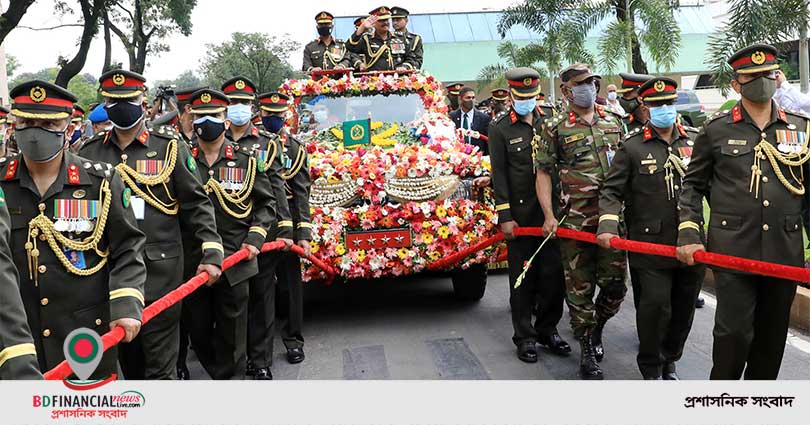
x: 470, y: 284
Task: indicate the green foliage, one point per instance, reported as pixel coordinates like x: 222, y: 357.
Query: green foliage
x: 187, y: 79
x: 12, y: 64
x: 257, y: 56
x: 83, y: 86
x: 753, y: 21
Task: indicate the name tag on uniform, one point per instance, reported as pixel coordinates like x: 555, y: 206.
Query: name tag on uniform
x: 138, y: 207
x: 574, y: 138
x: 648, y: 161
x: 736, y: 142
x: 515, y: 141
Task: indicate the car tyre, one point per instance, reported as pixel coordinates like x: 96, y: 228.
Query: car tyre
x: 470, y: 284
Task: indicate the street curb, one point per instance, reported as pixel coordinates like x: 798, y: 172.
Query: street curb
x: 799, y: 312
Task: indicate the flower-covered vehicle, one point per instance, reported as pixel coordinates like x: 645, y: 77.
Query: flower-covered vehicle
x: 392, y: 184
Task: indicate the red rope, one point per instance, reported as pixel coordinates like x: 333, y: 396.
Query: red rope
x: 792, y: 273
x: 113, y: 337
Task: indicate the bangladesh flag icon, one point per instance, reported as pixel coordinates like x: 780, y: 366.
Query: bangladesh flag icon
x: 83, y: 351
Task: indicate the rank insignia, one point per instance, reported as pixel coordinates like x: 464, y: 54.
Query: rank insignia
x: 73, y: 174
x: 229, y: 151
x: 126, y: 197
x: 11, y: 171
x: 151, y: 154
x: 144, y: 137
x: 79, y: 194
x: 191, y: 164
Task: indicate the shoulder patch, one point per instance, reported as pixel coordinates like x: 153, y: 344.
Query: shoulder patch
x: 191, y: 164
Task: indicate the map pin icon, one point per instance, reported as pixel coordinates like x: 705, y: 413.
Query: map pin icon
x: 83, y: 351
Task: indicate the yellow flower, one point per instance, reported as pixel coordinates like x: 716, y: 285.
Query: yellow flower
x: 332, y: 179
x: 361, y: 255
x: 403, y: 253
x: 425, y: 225
x: 427, y: 238
x: 434, y: 255
x: 441, y: 212
x: 444, y: 232
x: 314, y: 246
x: 340, y: 249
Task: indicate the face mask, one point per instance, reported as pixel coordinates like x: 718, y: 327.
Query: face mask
x: 77, y: 134
x: 524, y: 107
x: 320, y: 116
x: 760, y: 90
x: 612, y: 96
x: 628, y: 105
x: 305, y: 119
x: 467, y: 104
x: 324, y: 31
x: 124, y: 115
x: 209, y: 128
x: 584, y: 95
x: 663, y: 116
x: 273, y: 123
x: 453, y: 101
x: 39, y: 144
x: 239, y: 113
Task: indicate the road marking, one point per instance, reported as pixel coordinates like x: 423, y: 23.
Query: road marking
x: 454, y: 359
x: 365, y: 363
x: 793, y: 339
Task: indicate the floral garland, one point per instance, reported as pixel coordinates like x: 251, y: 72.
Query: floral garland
x: 437, y: 228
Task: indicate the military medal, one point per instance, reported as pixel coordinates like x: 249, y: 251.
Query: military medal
x: 232, y: 178
x: 790, y: 141
x: 74, y: 215
x: 149, y: 167
x: 686, y: 155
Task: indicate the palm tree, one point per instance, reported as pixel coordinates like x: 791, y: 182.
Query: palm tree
x: 752, y: 21
x: 529, y: 55
x: 566, y: 23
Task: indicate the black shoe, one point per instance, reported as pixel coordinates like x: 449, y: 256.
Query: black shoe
x: 588, y: 367
x: 183, y: 373
x: 669, y: 373
x: 249, y: 369
x: 263, y: 374
x: 555, y: 344
x: 652, y: 378
x: 527, y: 351
x: 700, y: 302
x: 596, y: 341
x: 295, y: 355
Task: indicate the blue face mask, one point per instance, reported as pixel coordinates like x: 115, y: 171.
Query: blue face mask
x: 663, y: 116
x: 524, y: 107
x: 239, y: 113
x: 77, y: 134
x: 273, y: 123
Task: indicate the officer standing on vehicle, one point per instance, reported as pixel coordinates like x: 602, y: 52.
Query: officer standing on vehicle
x: 383, y: 50
x: 74, y: 238
x: 510, y: 142
x: 157, y: 167
x: 750, y: 160
x: 644, y: 182
x: 269, y: 153
x: 325, y: 52
x: 399, y: 18
x: 580, y: 143
x: 243, y: 200
x: 273, y: 107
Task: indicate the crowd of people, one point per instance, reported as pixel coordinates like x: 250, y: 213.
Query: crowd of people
x: 99, y: 221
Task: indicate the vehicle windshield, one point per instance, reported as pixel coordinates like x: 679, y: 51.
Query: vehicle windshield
x: 321, y: 112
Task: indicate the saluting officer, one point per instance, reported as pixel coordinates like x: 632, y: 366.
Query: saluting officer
x: 18, y: 355
x: 510, y: 143
x: 399, y: 18
x: 74, y: 238
x: 243, y: 200
x: 580, y: 143
x: 157, y: 167
x: 326, y: 52
x: 751, y: 161
x: 383, y: 50
x: 636, y: 113
x: 644, y: 182
x: 269, y: 153
x: 273, y: 108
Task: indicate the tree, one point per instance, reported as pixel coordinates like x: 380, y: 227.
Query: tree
x: 12, y: 64
x: 260, y: 57
x: 83, y: 86
x: 11, y: 18
x: 142, y: 24
x: 91, y: 11
x: 570, y: 22
x: 530, y: 56
x: 752, y: 21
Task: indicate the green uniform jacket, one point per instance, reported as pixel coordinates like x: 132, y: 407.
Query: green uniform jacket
x: 510, y: 149
x: 415, y: 46
x: 297, y: 185
x: 18, y: 355
x: 383, y: 55
x: 56, y: 300
x: 149, y: 155
x: 232, y: 171
x: 318, y: 55
x: 638, y: 183
x: 581, y: 152
x: 269, y: 152
x: 759, y: 219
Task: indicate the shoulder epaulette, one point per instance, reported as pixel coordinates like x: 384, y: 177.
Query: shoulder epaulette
x: 797, y: 113
x: 5, y: 162
x: 164, y: 131
x: 716, y: 115
x: 499, y: 117
x: 94, y: 138
x: 266, y: 133
x: 632, y: 133
x: 98, y: 169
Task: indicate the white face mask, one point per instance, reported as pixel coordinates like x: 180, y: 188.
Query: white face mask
x: 612, y: 96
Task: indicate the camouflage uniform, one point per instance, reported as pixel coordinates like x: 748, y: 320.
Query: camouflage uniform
x: 582, y: 153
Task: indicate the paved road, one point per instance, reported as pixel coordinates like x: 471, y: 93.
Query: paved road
x: 413, y: 328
